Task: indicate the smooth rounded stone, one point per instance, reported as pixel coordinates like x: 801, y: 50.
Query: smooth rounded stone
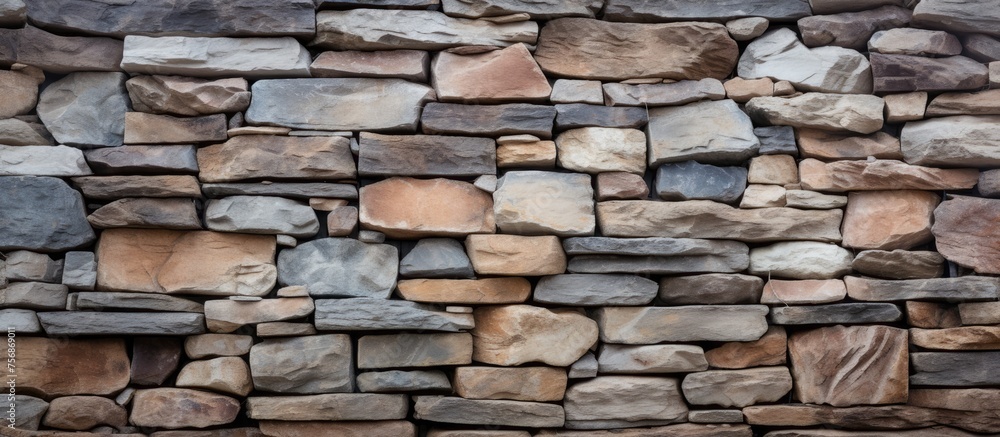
x: 215, y: 57
x: 841, y: 313
x: 117, y: 187
x: 820, y: 144
x: 894, y: 417
x: 882, y: 174
x: 851, y: 29
x: 510, y: 335
x: 805, y: 199
x: 809, y: 291
x: 742, y: 90
x: 663, y: 94
x: 361, y: 269
x: 769, y: 350
x: 542, y: 10
x: 956, y: 369
x: 395, y: 381
x: 566, y: 47
x: 267, y: 156
x: 174, y: 213
x: 447, y: 409
x: 174, y: 408
x: 536, y: 202
x: 919, y: 42
x: 576, y: 115
x: 621, y: 186
x: 773, y: 169
x: 20, y: 321
x: 187, y: 96
x: 414, y: 350
x: 217, y: 345
x: 899, y: 264
x: 599, y: 149
x: 961, y: 338
x: 101, y: 301
x: 708, y: 132
x: 23, y: 265
x: 715, y: 416
x: 624, y: 402
x: 368, y: 314
x: 905, y: 107
x: 979, y: 313
x: 973, y: 103
x: 712, y: 288
x: 425, y: 155
x: 86, y: 109
x: 229, y: 375
x: 539, y: 154
x: 577, y: 91
x: 506, y: 75
x: 465, y: 291
x: 737, y: 388
x: 690, y: 180
x: 665, y: 358
x: 585, y: 367
x: 488, y: 120
x: 514, y: 255
x: 261, y: 215
x: 963, y: 140
x: 402, y: 64
x: 595, y: 290
x: 21, y: 91
x: 121, y: 323
x: 960, y: 17
x: 414, y: 208
x: 303, y: 365
x: 81, y: 413
x: 539, y: 384
x: 801, y: 260
x: 888, y: 220
x: 51, y: 367
x: 965, y: 234
x: 142, y: 160
x: 763, y: 196
x: 844, y: 366
x: 328, y: 407
x: 42, y: 161
x: 436, y: 258
x: 143, y: 128
x: 42, y: 214
x: 227, y: 315
x: 901, y: 73
x: 16, y: 132
x: 185, y: 262
x: 647, y: 325
x: 956, y: 289
x: 834, y: 112
x: 746, y: 29
x: 32, y: 295
x: 779, y: 55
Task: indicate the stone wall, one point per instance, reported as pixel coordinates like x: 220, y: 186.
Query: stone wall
x: 498, y: 218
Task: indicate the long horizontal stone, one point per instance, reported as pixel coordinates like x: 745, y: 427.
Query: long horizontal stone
x: 577, y: 115
x: 102, y: 301
x: 488, y: 120
x: 141, y: 160
x: 112, y: 323
x: 960, y: 289
x: 890, y: 417
x: 957, y: 369
x: 541, y: 10
x: 332, y: 406
x: 652, y: 246
x: 971, y: 17
x: 414, y: 350
x: 595, y: 290
x: 42, y: 161
x: 967, y: 399
x: 34, y: 295
x: 719, y: 10
x: 934, y: 431
x: 449, y: 409
x: 707, y: 219
x: 678, y: 430
x: 282, y: 428
x: 657, y: 358
x: 116, y: 187
x: 663, y: 94
x: 215, y: 57
x: 395, y: 381
x: 859, y: 113
x: 964, y: 140
x: 295, y: 190
x: 426, y: 155
x: 882, y: 174
x: 734, y: 261
x: 647, y: 325
x: 59, y: 54
x: 960, y: 338
x: 367, y: 314
x: 285, y: 158
x: 841, y: 313
x: 902, y: 73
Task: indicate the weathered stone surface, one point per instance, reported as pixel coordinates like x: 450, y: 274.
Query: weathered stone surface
x: 15, y: 132
x: 403, y: 64
x: 577, y: 91
x: 536, y: 202
x: 963, y: 288
x: 261, y: 215
x: 23, y: 265
x: 172, y: 262
x: 683, y: 429
x: 746, y: 29
x: 678, y: 255
x: 973, y: 399
x: 86, y: 109
x: 64, y: 367
x: 809, y: 291
x: 361, y: 269
x: 566, y: 48
x: 983, y: 48
x: 187, y: 96
x: 805, y: 199
x: 737, y: 388
x: 934, y: 431
x: 81, y: 413
x: 973, y: 103
x: 773, y: 169
x: 215, y: 57
x: 488, y: 120
x: 436, y: 258
x: 303, y: 365
x: 174, y: 408
x: 116, y: 187
x: 841, y: 313
x: 514, y: 255
x: 961, y: 17
x: 690, y: 180
x: 919, y: 42
x: 20, y: 321
x: 961, y: 338
x: 962, y: 140
x: 414, y: 208
x: 41, y: 214
x: 621, y: 186
x: 217, y: 345
x: 101, y: 301
x: 30, y: 411
x: 624, y: 402
x: 715, y: 416
x: 466, y: 291
x: 882, y: 174
x: 376, y: 314
x: 706, y: 219
x: 426, y: 155
x: 712, y: 288
x: 537, y: 154
x: 332, y: 406
x: 595, y: 290
x: 285, y: 329
x: 958, y: 369
x: 835, y: 112
x: 281, y: 428
x: 516, y: 334
x: 449, y: 409
x: 979, y: 313
x: 60, y: 54
x: 896, y: 417
x: 21, y: 91
x: 229, y: 375
x: 932, y: 315
x: 905, y: 107
x: 651, y: 359
x: 763, y: 196
x: 299, y: 190
x: 663, y: 94
x: 225, y: 315
x: 674, y: 10
x: 576, y: 115
x: 142, y: 128
x: 265, y: 156
x: 844, y: 366
x: 585, y: 367
x: 888, y: 220
x: 599, y: 149
x: 154, y: 359
x: 140, y: 160
x: 499, y: 76
x: 801, y: 260
x: 13, y: 14
x: 414, y: 350
x: 539, y: 384
x: 780, y: 55
x: 645, y: 325
x: 820, y: 144
x: 900, y: 73
x: 112, y: 323
x: 146, y: 213
x: 716, y: 132
x: 742, y: 90
x: 374, y: 29
x: 851, y: 29
x: 537, y: 10
x: 395, y: 381
x: 964, y: 232
x: 769, y: 350
x: 33, y: 295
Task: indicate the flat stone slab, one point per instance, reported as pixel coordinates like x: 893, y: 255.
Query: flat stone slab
x: 660, y: 358
x: 294, y: 190
x: 882, y: 174
x: 215, y: 57
x: 141, y: 160
x: 891, y: 417
x: 367, y: 314
x: 957, y: 369
x: 447, y: 409
x: 737, y: 388
x: 414, y: 350
x: 780, y: 55
x: 832, y: 112
x: 902, y: 73
x: 963, y: 288
x: 623, y: 325
x: 959, y: 338
x: 42, y: 214
x: 663, y: 94
x: 712, y: 288
x: 959, y: 17
x: 957, y: 141
x: 717, y: 132
x: 488, y: 120
x: 42, y: 161
x: 277, y: 157
x: 261, y: 215
x: 361, y: 269
x: 595, y: 290
x: 303, y: 365
x: 722, y: 10
x: 395, y: 381
x: 60, y: 54
x: 608, y: 402
x: 842, y: 313
x: 425, y: 155
x: 112, y: 323
x: 577, y: 115
x: 103, y: 301
x: 332, y: 406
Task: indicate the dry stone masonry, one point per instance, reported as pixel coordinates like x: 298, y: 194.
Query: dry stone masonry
x: 498, y: 218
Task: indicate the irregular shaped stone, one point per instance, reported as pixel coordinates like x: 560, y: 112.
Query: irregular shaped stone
x: 328, y: 407
x: 392, y: 104
x: 919, y: 42
x: 894, y: 417
x: 488, y: 120
x: 964, y: 233
x: 804, y: 199
x: 737, y: 388
x: 375, y: 314
x: 80, y: 270
x: 962, y: 140
x: 539, y: 384
x: 595, y: 290
x: 585, y: 367
x: 303, y: 365
x: 834, y: 112
x: 763, y: 196
x: 883, y: 174
x: 514, y: 255
x: 742, y: 90
x: 903, y: 217
x: 449, y: 409
x: 746, y: 29
x: 66, y: 367
x: 426, y: 155
x: 690, y: 180
x: 978, y: 313
x: 598, y: 149
x: 646, y: 325
x: 301, y: 190
x: 86, y: 109
x: 899, y: 264
x: 958, y: 369
x: 905, y: 107
x: 282, y: 428
x: 576, y: 115
x: 154, y: 359
x: 535, y: 202
x: 112, y: 323
x: 261, y: 215
x: 361, y: 269
x: 592, y: 49
x: 81, y: 413
x: 20, y: 321
x: 651, y: 359
x: 809, y: 291
x: 132, y: 301
x: 820, y: 144
x: 963, y: 288
x: 577, y: 91
x: 712, y: 288
x: 414, y: 350
x: 973, y: 103
x: 499, y: 76
x: 841, y: 313
x: 411, y: 65
x: 23, y: 265
x: 901, y: 73
x: 229, y: 375
x: 624, y: 402
x: 972, y: 18
x: 769, y: 350
x: 780, y: 55
x: 517, y: 334
x: 33, y: 295
x: 973, y: 399
x: 142, y: 160
x: 843, y: 366
x: 465, y: 291
x: 225, y: 315
x: 933, y: 431
x: 60, y: 54
x: 217, y: 345
x: 414, y: 208
x: 174, y: 408
x: 215, y: 57
x: 142, y: 128
x: 187, y: 96
x: 30, y: 411
x: 674, y: 10
x: 116, y: 187
x: 265, y: 156
x: 801, y: 260
x: 708, y: 132
x: 42, y: 214
x: 961, y: 338
x: 851, y: 29
x: 542, y: 10
x: 676, y: 256
x: 21, y: 91
x: 147, y: 213
x: 773, y: 169
x: 663, y: 94
x: 16, y: 132
x: 436, y: 258
x: 621, y: 186
x: 395, y: 381
x: 682, y: 429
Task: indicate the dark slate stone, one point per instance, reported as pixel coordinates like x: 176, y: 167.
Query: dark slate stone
x: 374, y: 314
x: 690, y: 180
x: 574, y: 115
x: 654, y: 246
x: 903, y: 73
x: 709, y: 289
x: 377, y: 4
x: 437, y: 258
x: 658, y: 11
x: 659, y: 265
x: 595, y: 290
x: 777, y: 140
x: 143, y: 160
x: 108, y: 323
x: 957, y: 369
x: 154, y: 359
x: 840, y: 313
x: 177, y: 17
x: 294, y: 190
x: 426, y: 155
x: 396, y: 381
x: 488, y: 120
x: 851, y: 29
x: 982, y: 48
x: 42, y: 214
x: 989, y: 183
x: 59, y: 54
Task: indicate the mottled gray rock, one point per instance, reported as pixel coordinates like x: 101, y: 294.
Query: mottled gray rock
x: 303, y: 365
x: 175, y: 213
x: 13, y: 14
x: 851, y: 29
x: 979, y: 17
x: 690, y: 180
x: 340, y: 267
x: 59, y: 54
x: 836, y: 314
x: 624, y: 402
x: 899, y: 264
x: 22, y: 321
x: 437, y: 258
x: 780, y: 55
x: 981, y: 47
x: 330, y: 406
x: 86, y: 109
x: 426, y: 155
x: 919, y: 42
x: 261, y: 215
x: 595, y: 290
x: 577, y: 91
x: 23, y: 265
x: 542, y: 10
x: 831, y: 112
x: 396, y: 381
x: 42, y: 161
x: 958, y: 289
x: 957, y: 369
x: 116, y: 187
x: 105, y: 301
x: 537, y: 202
x: 294, y: 190
x: 449, y: 409
x: 646, y: 325
x: 961, y: 140
x: 373, y: 314
x: 187, y: 95
x: 215, y: 57
x: 723, y: 10
x: 29, y: 411
x: 33, y: 295
x: 712, y: 288
x: 659, y: 358
x: 737, y: 388
x: 14, y: 132
x: 777, y: 140
x: 411, y: 65
x: 42, y: 214
x: 414, y: 350
x: 114, y: 323
x: 577, y: 115
x: 804, y: 199
x: 142, y: 160
x: 692, y: 256
x: 585, y: 367
x: 713, y: 131
x: 801, y: 260
x: 902, y: 73
x: 488, y: 120
x: 663, y: 94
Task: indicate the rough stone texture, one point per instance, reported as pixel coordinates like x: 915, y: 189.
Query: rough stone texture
x: 66, y: 367
x: 962, y: 338
x: 763, y: 196
x: 737, y: 388
x: 899, y: 264
x: 394, y: 381
x: 21, y: 91
x: 769, y: 350
x: 599, y: 149
x: 893, y: 418
x: 229, y: 375
x: 488, y: 120
x: 979, y: 313
x: 888, y: 220
x: 963, y: 140
x: 882, y: 174
x: 217, y: 345
x: 517, y: 334
x: 809, y: 291
x: 174, y: 408
x: 780, y: 55
x: 367, y: 270
x: 359, y: 314
x: 59, y: 54
x: 674, y: 10
x: 16, y: 132
x: 538, y: 10
x: 595, y: 290
x: 851, y: 29
x: 21, y: 321
x: 81, y: 413
x: 541, y: 384
x: 513, y: 255
x: 834, y: 112
x: 121, y: 323
x: 575, y: 115
x: 402, y: 64
x: 506, y: 75
x: 178, y: 214
x: 820, y: 144
x: 23, y: 265
x: 281, y: 428
x: 266, y: 156
x: 328, y: 407
x: 32, y: 295
x: 466, y: 291
x: 624, y: 401
x: 804, y: 199
x: 645, y: 325
x: 487, y: 412
x: 690, y: 180
x: 42, y: 214
x: 425, y: 155
x: 436, y: 258
x: 954, y: 399
x: 961, y: 17
x: 662, y: 256
x: 536, y: 202
x: 413, y: 208
x: 901, y: 73
x: 958, y: 369
x: 712, y: 288
x: 958, y: 289
x: 716, y: 132
x: 303, y: 365
x: 621, y: 186
x: 663, y: 94
x: 801, y: 260
x: 577, y: 91
x: 261, y: 215
x: 116, y: 187
x: 905, y: 107
x: 187, y: 96
x: 142, y: 128
x: 154, y: 359
x: 215, y: 57
x: 140, y: 160
x: 983, y: 48
x: 973, y: 103
x: 226, y: 315
x: 132, y: 301
x: 86, y: 109
x: 919, y: 42
x: 841, y: 313
x: 651, y: 359
x: 965, y: 235
x: 414, y: 350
